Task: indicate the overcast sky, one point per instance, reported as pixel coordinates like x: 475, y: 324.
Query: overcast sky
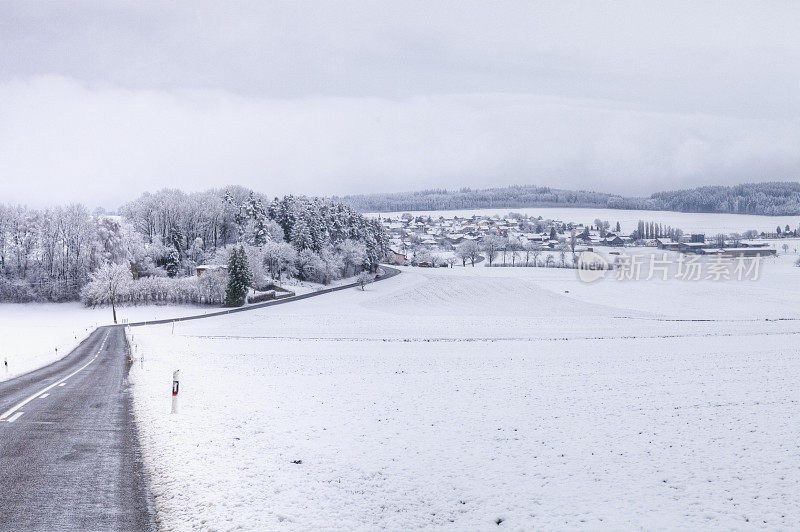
x: 100, y: 101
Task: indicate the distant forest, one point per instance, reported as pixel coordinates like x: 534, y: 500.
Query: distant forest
x: 769, y: 198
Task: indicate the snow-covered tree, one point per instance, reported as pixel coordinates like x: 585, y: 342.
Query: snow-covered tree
x: 353, y: 254
x: 468, y: 251
x: 492, y: 244
x: 309, y: 265
x: 257, y: 265
x: 301, y: 236
x: 106, y: 284
x: 173, y: 263
x: 50, y: 254
x: 238, y: 278
x: 363, y: 279
x: 280, y: 258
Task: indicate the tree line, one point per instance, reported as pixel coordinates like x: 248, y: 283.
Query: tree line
x: 516, y: 196
x: 55, y: 254
x: 768, y: 198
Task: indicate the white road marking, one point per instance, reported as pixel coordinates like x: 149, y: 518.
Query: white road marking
x: 43, y: 395
x: 13, y: 409
x: 63, y: 384
x: 15, y: 417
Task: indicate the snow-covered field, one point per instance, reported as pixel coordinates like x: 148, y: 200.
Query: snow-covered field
x: 460, y: 398
x: 709, y: 223
x: 35, y: 334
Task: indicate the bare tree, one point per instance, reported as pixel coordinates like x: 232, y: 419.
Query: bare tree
x: 562, y: 250
x: 513, y: 246
x: 527, y: 248
x: 573, y: 240
x: 363, y: 279
x: 109, y: 279
x: 492, y: 244
x: 472, y: 250
x: 535, y: 252
x: 504, y: 248
x: 462, y: 253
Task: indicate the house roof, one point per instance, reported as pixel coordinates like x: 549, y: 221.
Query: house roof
x: 746, y: 249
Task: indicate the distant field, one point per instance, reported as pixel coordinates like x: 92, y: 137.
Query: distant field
x: 460, y: 397
x: 690, y: 222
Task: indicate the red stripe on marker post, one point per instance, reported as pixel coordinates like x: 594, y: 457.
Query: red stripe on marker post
x: 175, y: 386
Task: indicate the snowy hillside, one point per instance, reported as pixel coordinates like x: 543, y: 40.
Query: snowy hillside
x: 462, y: 398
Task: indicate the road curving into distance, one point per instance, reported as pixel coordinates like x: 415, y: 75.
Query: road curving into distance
x: 69, y: 452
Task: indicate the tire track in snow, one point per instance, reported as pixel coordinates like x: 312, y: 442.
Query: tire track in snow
x: 494, y: 339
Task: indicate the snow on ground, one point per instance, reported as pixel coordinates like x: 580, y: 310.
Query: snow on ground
x: 773, y: 295
x: 456, y: 398
x: 33, y: 335
x: 300, y: 287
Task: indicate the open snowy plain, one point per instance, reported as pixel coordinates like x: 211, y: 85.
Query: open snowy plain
x: 36, y: 334
x: 470, y: 397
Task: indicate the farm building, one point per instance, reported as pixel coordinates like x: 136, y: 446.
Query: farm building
x: 749, y: 252
x: 395, y: 257
x: 737, y: 252
x: 692, y: 247
x: 667, y: 244
x: 203, y: 268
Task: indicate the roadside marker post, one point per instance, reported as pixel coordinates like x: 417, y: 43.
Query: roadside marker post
x: 175, y: 378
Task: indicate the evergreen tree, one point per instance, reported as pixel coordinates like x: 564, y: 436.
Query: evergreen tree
x: 173, y: 263
x: 301, y: 236
x: 258, y: 213
x: 238, y: 278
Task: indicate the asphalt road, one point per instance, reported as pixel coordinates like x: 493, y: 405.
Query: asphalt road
x: 69, y: 456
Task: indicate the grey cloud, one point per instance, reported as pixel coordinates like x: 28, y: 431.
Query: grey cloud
x: 57, y: 132
x: 338, y: 97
